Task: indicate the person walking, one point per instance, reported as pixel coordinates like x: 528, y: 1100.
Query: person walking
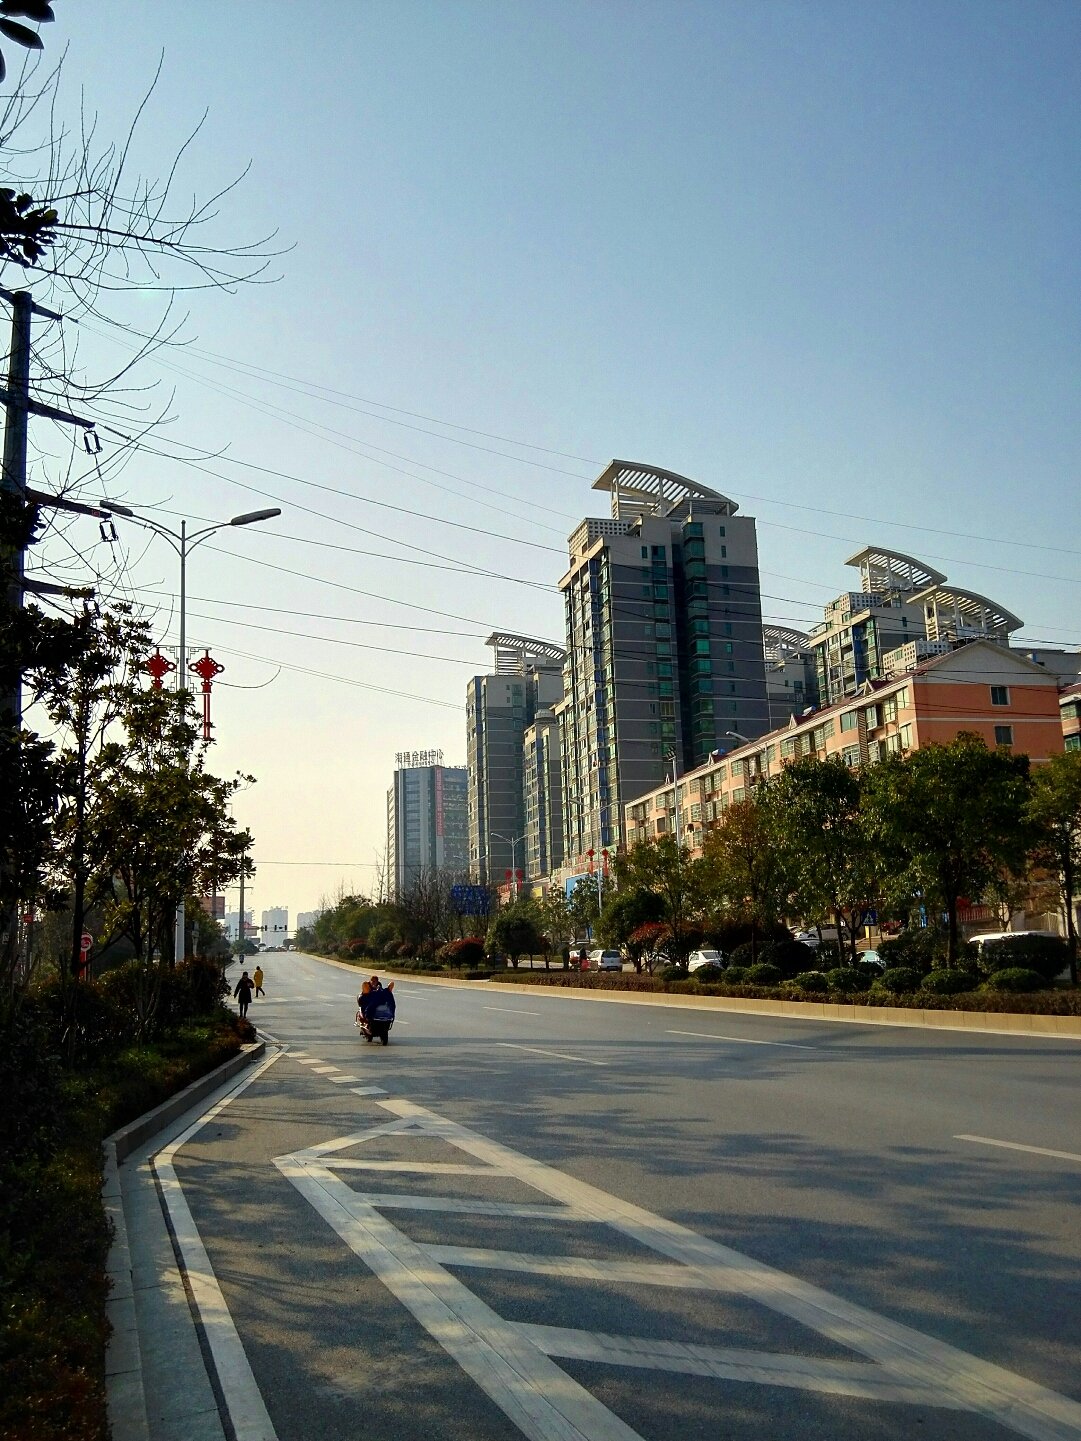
x: 242, y: 991
x: 257, y: 980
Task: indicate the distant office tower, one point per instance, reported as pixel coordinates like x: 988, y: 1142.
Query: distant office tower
x: 542, y: 790
x: 791, y: 677
x: 307, y: 919
x: 903, y: 612
x: 528, y: 676
x: 275, y: 923
x: 427, y: 826
x: 664, y: 630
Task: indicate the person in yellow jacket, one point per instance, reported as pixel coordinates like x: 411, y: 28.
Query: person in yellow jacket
x: 257, y: 978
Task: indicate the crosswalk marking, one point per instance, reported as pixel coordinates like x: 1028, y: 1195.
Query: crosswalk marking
x: 513, y: 1361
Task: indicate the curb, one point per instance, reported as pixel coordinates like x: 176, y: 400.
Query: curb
x: 125, y: 1400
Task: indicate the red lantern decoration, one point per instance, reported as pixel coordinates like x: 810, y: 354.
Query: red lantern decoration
x: 207, y: 669
x: 158, y: 666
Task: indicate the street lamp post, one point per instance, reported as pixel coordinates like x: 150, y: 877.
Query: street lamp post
x: 184, y: 544
x: 513, y: 842
x: 678, y: 820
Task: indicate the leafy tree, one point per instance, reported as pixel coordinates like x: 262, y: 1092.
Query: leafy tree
x: 948, y: 820
x: 669, y: 873
x: 556, y: 921
x: 1054, y: 811
x: 158, y: 824
x: 625, y: 910
x: 743, y: 865
x: 828, y: 859
x: 583, y: 907
x: 515, y: 932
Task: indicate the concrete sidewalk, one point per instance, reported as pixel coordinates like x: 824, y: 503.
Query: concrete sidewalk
x: 157, y: 1381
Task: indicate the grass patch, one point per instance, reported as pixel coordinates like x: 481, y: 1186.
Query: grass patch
x: 54, y: 1236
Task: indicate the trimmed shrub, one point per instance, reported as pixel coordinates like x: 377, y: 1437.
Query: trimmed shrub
x: 763, y: 974
x: 1048, y: 955
x: 1015, y: 978
x: 846, y: 979
x: 949, y: 983
x: 790, y: 957
x: 916, y: 949
x: 828, y: 956
x: 810, y: 981
x: 467, y: 952
x: 898, y: 980
x: 735, y: 975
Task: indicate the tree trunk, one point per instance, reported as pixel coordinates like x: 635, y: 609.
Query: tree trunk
x: 1071, y: 928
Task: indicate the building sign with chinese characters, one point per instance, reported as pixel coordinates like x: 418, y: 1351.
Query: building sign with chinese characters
x: 406, y: 759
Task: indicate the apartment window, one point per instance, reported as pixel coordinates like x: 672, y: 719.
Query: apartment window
x: 728, y: 627
x: 1073, y: 743
x: 1004, y: 735
x: 739, y: 794
x: 724, y: 572
x: 902, y: 698
x: 1000, y: 695
x: 851, y: 756
x: 788, y: 748
x: 722, y: 530
x: 645, y: 552
x: 724, y: 551
x: 906, y: 737
x: 848, y: 720
x: 728, y: 648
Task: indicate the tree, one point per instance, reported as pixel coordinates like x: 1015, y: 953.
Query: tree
x: 1054, y: 811
x: 158, y: 824
x: 949, y: 819
x: 625, y: 911
x: 515, y: 932
x: 668, y: 872
x: 827, y: 856
x: 583, y: 907
x: 743, y: 866
x: 556, y: 921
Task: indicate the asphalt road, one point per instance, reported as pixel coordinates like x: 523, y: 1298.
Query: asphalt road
x: 561, y: 1217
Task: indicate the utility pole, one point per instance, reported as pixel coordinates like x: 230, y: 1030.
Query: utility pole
x: 242, y: 910
x: 18, y: 407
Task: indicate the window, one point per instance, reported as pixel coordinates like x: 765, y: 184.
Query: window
x: 788, y: 748
x: 722, y: 530
x: 1073, y: 743
x: 1000, y: 695
x: 1004, y: 735
x: 724, y: 551
x: 848, y: 720
x: 906, y: 737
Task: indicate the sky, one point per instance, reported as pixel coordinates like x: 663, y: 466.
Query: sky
x: 821, y: 257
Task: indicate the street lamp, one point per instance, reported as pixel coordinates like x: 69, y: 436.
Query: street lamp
x: 744, y: 740
x: 678, y: 826
x: 513, y: 842
x: 183, y: 544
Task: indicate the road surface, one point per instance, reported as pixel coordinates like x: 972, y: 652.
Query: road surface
x: 543, y: 1215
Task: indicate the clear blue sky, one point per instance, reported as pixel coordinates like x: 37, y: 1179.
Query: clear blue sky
x: 820, y: 256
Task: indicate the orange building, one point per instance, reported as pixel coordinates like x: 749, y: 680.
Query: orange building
x: 981, y: 687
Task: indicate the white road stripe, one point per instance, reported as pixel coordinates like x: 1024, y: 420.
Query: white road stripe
x: 510, y: 1011
x: 323, y: 1070
x: 368, y: 1091
x: 1016, y: 1146
x: 742, y: 1040
x: 422, y: 1168
x: 805, y: 1373
x: 343, y: 1080
x: 559, y: 1055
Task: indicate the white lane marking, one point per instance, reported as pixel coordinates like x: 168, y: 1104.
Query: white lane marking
x: 298, y: 1055
x: 510, y: 1011
x: 466, y: 1206
x: 579, y: 1268
x: 242, y: 1397
x: 743, y: 1040
x: 1016, y: 1146
x: 805, y: 1373
x: 504, y: 1357
x: 343, y: 1080
x: 559, y: 1055
x: 323, y: 1070
x: 307, y: 1060
x: 423, y: 1168
x: 368, y: 1091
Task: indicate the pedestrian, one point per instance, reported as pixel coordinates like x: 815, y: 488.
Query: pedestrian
x: 242, y: 991
x: 257, y: 980
x: 375, y: 983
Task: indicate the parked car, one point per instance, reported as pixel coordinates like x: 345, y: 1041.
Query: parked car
x: 605, y: 961
x: 871, y: 958
x: 807, y: 938
x: 698, y: 959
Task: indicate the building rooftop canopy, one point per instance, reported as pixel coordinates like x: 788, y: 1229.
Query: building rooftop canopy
x: 511, y: 650
x: 637, y: 488
x: 889, y: 570
x: 968, y: 607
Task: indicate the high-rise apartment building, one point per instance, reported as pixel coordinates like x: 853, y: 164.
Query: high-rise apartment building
x: 791, y: 677
x: 664, y: 634
x: 542, y: 789
x: 275, y: 925
x: 527, y: 676
x: 427, y: 828
x: 901, y: 603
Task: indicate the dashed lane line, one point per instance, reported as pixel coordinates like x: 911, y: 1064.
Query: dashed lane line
x: 559, y: 1055
x: 510, y: 1011
x: 1016, y: 1146
x: 743, y: 1040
